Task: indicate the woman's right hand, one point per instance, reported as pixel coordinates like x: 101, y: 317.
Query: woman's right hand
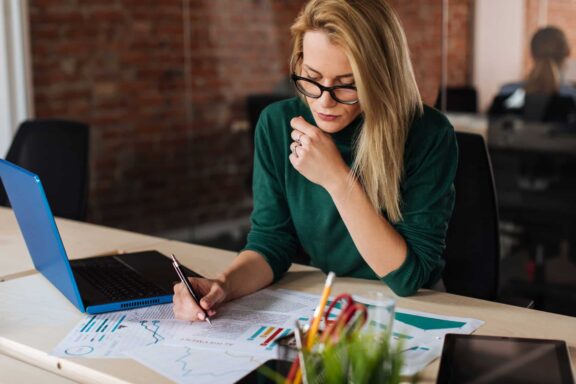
x: 211, y: 293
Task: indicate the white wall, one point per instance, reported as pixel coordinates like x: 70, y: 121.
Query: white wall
x: 498, y: 46
x: 570, y: 71
x: 15, y: 74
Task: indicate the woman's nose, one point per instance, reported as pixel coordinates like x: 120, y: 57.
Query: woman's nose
x: 326, y: 100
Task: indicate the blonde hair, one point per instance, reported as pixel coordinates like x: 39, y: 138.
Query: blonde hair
x: 549, y: 49
x: 373, y: 39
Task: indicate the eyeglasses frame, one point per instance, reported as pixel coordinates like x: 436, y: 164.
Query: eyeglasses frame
x: 322, y: 88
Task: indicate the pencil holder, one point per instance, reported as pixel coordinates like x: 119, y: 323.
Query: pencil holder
x: 381, y: 309
x: 353, y: 344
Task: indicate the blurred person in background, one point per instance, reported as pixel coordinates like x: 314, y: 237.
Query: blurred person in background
x: 545, y: 95
x: 549, y: 49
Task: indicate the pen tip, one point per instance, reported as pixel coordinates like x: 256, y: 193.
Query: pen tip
x: 208, y: 320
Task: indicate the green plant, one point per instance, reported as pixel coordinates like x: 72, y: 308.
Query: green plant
x: 359, y: 358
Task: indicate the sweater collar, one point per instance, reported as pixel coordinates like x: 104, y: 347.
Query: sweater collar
x: 350, y: 133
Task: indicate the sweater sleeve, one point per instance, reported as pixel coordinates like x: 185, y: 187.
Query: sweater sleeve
x: 272, y: 234
x: 431, y: 160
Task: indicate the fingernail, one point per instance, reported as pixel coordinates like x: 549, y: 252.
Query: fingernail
x: 201, y: 316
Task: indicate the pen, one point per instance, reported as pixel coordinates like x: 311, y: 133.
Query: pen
x: 319, y: 310
x: 185, y: 281
x: 297, y: 370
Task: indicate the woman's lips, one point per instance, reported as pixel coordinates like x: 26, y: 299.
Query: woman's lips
x: 326, y: 117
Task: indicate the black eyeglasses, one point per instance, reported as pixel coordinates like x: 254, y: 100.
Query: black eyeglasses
x: 345, y: 94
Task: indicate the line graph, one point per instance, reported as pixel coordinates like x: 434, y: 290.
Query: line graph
x: 153, y: 329
x: 189, y: 365
x: 182, y: 360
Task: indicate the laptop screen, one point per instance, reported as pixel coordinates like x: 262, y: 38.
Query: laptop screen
x: 38, y: 227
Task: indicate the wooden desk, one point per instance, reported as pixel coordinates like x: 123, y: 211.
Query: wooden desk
x: 17, y: 372
x: 32, y: 344
x: 80, y: 240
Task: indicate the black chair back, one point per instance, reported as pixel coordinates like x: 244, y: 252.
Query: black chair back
x: 459, y: 99
x: 256, y: 103
x: 472, y: 244
x: 58, y: 152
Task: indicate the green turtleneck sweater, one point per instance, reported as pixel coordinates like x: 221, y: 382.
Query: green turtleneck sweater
x: 290, y: 211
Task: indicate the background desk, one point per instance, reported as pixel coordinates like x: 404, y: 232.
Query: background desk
x: 32, y: 344
x: 469, y: 122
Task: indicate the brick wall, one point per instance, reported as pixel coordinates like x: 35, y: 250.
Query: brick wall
x: 161, y: 105
x: 163, y: 155
x: 460, y: 23
x: 422, y: 23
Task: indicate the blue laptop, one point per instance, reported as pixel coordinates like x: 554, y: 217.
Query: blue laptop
x: 96, y: 284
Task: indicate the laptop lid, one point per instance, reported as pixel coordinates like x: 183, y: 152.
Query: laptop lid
x: 39, y: 229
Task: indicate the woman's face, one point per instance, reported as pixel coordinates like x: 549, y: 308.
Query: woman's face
x: 328, y: 65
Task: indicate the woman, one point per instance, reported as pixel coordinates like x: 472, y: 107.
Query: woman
x: 356, y: 171
x: 549, y: 49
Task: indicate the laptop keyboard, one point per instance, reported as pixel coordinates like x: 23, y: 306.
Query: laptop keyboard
x: 116, y: 281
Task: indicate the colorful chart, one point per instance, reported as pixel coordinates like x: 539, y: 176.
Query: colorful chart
x: 267, y: 336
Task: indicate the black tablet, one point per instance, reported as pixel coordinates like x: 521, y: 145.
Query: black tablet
x: 510, y: 360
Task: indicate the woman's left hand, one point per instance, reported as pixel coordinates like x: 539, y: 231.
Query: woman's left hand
x: 315, y: 155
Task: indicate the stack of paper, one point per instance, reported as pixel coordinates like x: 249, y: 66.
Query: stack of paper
x: 243, y: 335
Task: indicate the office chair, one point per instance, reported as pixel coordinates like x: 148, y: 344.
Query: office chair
x: 459, y: 99
x: 255, y: 104
x: 57, y: 151
x: 472, y: 243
